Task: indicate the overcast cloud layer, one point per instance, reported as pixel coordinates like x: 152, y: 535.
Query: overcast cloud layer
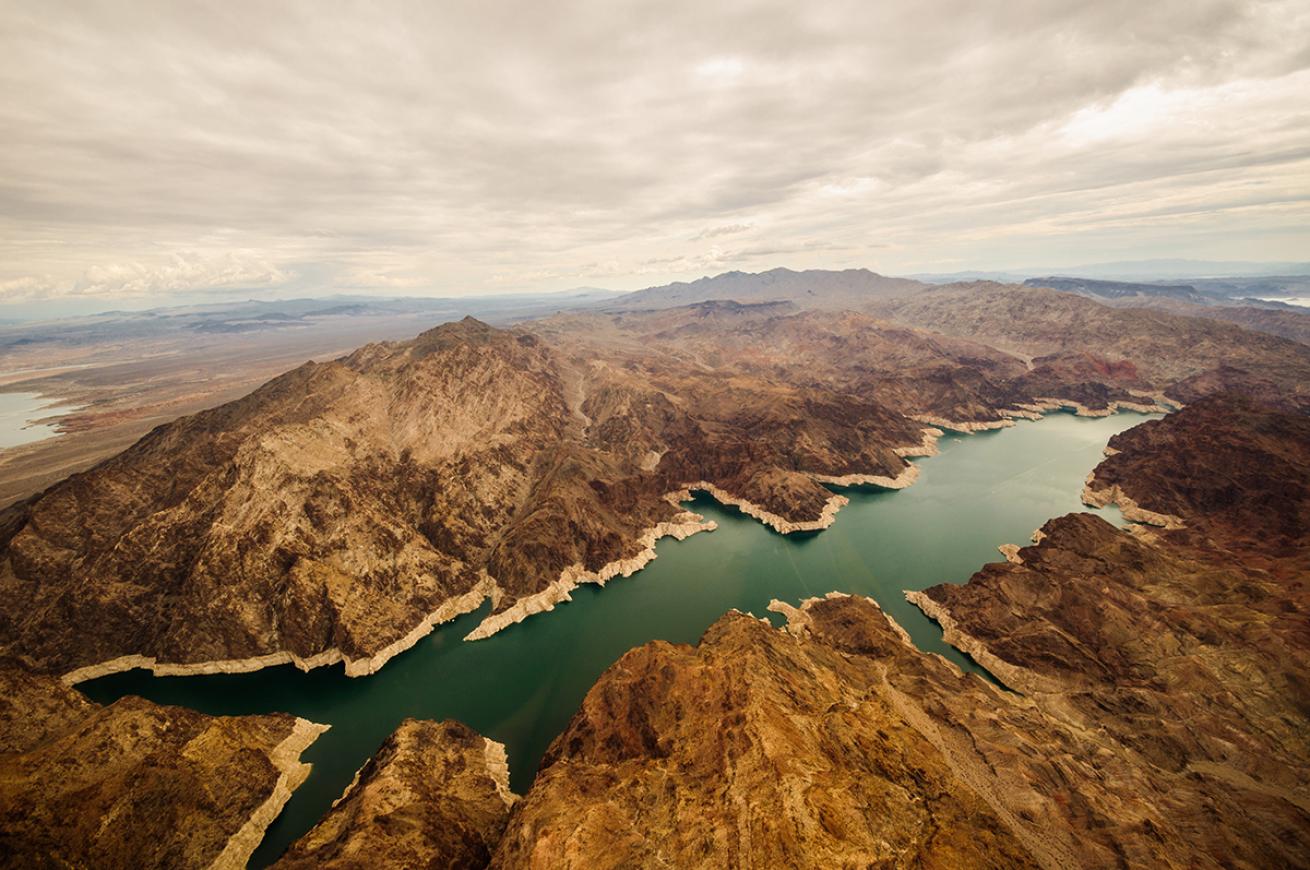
x: 159, y: 151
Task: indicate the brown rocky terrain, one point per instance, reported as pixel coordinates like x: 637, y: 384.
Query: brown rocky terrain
x: 759, y: 748
x: 839, y: 744
x: 1275, y: 318
x: 1286, y: 321
x: 135, y: 784
x: 1062, y: 333
x: 1236, y: 472
x: 344, y: 508
x: 435, y: 795
x: 1157, y: 711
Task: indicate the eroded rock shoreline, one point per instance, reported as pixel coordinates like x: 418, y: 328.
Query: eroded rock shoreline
x: 680, y: 527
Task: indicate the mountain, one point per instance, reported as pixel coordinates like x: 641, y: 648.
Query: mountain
x: 1120, y: 289
x: 1274, y: 318
x: 813, y: 288
x: 1066, y: 334
x: 433, y: 789
x: 1152, y: 714
x: 1152, y: 701
x: 1133, y: 270
x: 343, y: 509
x: 135, y: 784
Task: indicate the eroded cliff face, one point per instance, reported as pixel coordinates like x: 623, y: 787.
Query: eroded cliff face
x: 1065, y: 335
x: 435, y: 795
x: 344, y: 509
x: 135, y: 784
x: 838, y: 743
x: 758, y: 748
x: 1236, y: 472
x: 1156, y: 711
x: 1187, y: 645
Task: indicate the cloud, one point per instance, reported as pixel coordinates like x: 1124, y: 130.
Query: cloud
x: 723, y: 230
x: 26, y: 288
x: 451, y: 148
x: 181, y: 273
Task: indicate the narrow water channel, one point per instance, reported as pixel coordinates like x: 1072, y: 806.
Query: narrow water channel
x: 521, y: 686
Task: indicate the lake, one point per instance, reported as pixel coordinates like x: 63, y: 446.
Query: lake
x: 523, y: 685
x: 18, y: 410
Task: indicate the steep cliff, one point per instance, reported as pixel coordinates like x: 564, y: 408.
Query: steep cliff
x: 435, y: 795
x: 135, y: 784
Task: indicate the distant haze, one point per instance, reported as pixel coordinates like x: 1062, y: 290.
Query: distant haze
x: 154, y: 153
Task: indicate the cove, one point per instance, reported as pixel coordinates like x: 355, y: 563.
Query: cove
x: 521, y: 686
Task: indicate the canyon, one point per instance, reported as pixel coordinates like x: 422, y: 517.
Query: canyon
x: 1152, y: 703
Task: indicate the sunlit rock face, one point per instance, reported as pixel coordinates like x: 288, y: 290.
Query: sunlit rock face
x: 135, y: 784
x: 435, y: 795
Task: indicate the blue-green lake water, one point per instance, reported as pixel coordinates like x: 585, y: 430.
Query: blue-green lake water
x: 521, y: 686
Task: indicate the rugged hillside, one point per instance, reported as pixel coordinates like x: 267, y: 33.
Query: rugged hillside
x: 1157, y: 712
x: 1274, y: 318
x: 1236, y: 473
x: 1123, y: 290
x: 1287, y: 322
x: 840, y: 744
x: 759, y: 748
x: 343, y: 509
x: 1154, y: 713
x: 135, y: 784
x: 435, y: 795
x: 1063, y: 332
x: 295, y: 520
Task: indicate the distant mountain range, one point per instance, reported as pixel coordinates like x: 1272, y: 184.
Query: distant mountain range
x: 256, y: 315
x: 812, y: 288
x: 1131, y: 270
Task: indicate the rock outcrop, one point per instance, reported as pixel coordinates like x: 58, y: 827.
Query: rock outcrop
x: 758, y: 748
x: 344, y: 509
x: 435, y: 795
x: 1095, y: 353
x: 135, y: 784
x: 1236, y: 472
x: 1154, y: 712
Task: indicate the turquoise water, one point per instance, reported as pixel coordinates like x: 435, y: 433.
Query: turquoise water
x: 521, y: 686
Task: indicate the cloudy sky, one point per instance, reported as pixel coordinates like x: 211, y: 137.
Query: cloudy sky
x: 154, y: 152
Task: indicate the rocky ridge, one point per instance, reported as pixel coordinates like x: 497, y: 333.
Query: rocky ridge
x: 339, y: 512
x: 342, y: 510
x: 136, y: 784
x: 435, y: 794
x: 1154, y: 710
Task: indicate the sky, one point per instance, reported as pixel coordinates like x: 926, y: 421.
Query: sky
x: 180, y: 150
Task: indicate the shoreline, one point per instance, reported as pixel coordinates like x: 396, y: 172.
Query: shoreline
x: 681, y: 526
x: 1015, y: 678
x: 448, y: 610
x: 496, y: 759
x: 1131, y: 510
x: 292, y: 773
